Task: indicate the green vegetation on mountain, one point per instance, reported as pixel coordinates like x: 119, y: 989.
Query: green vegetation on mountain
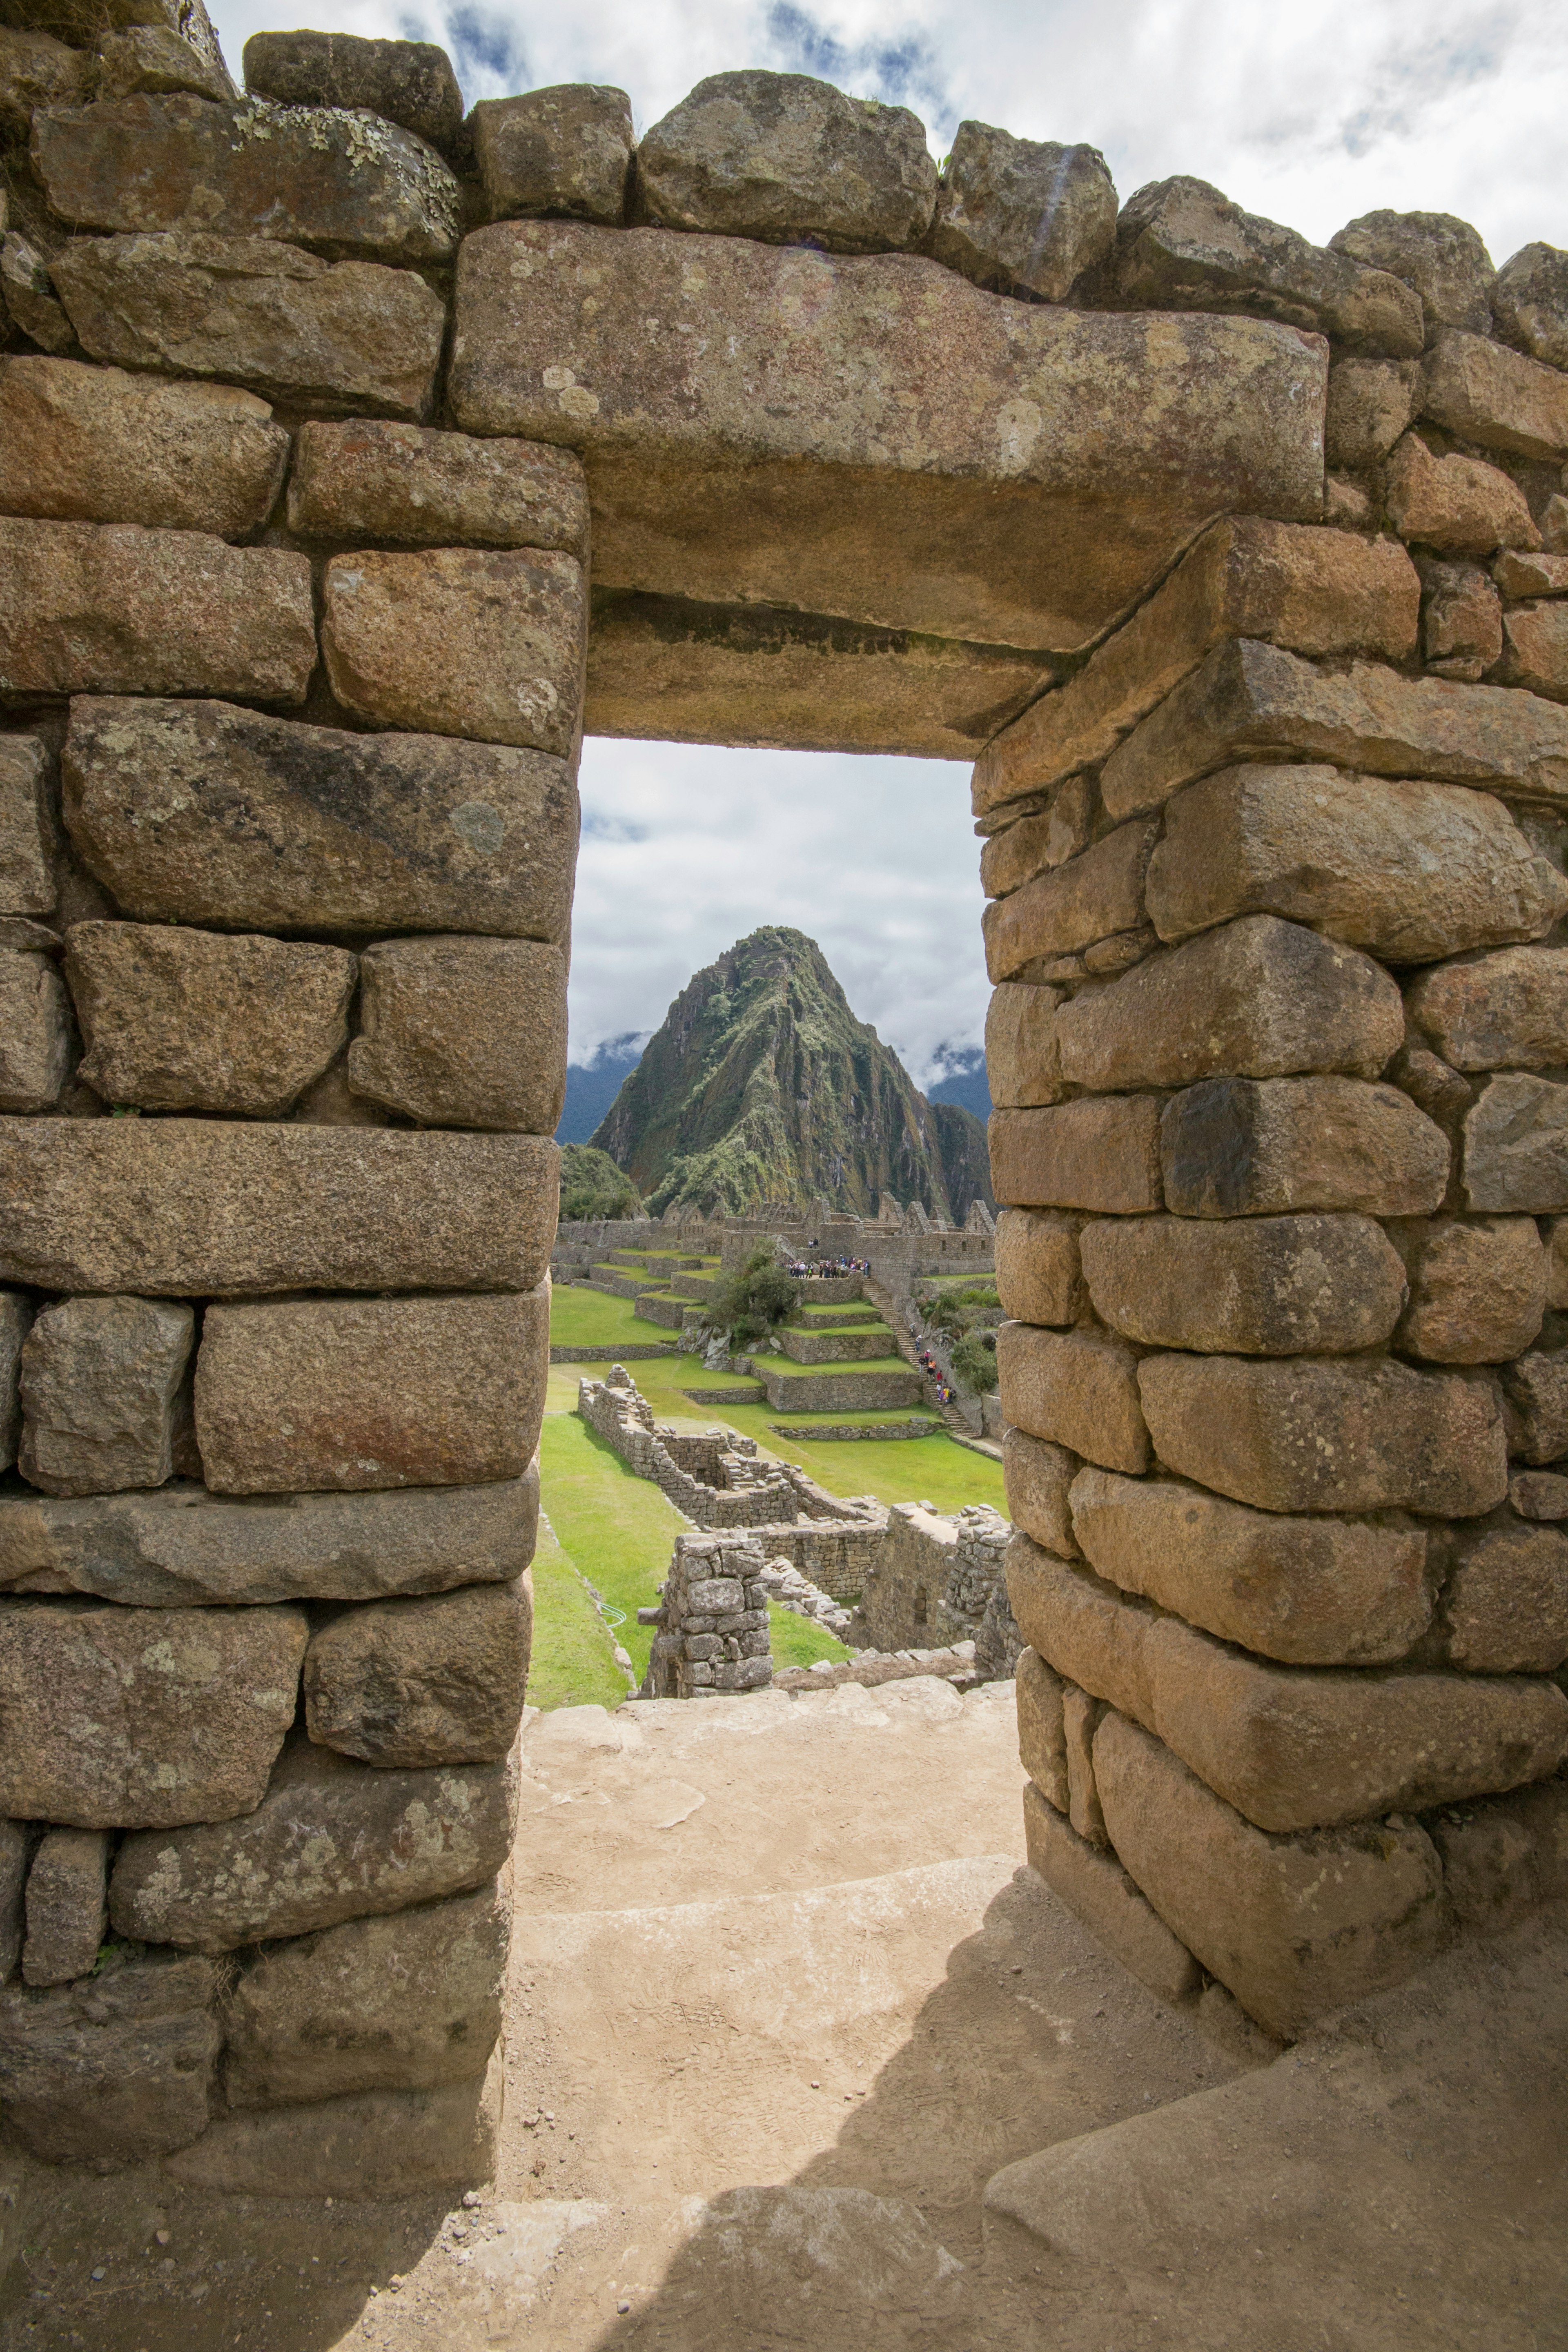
x: 763, y: 1087
x: 592, y: 1186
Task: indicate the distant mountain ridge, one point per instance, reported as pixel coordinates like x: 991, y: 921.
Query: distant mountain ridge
x: 591, y: 1085
x: 761, y: 1085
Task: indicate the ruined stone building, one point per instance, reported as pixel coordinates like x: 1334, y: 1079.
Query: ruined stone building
x: 353, y: 458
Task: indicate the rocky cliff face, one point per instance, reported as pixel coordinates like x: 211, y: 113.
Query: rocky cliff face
x: 762, y: 1086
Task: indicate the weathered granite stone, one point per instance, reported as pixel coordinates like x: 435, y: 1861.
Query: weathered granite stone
x: 1408, y: 871
x: 1482, y: 393
x: 1263, y: 1285
x: 1503, y: 1859
x: 26, y: 848
x: 15, y: 1850
x: 34, y: 1033
x: 200, y: 812
x: 1538, y: 1494
x: 1293, y: 1748
x: 1478, y: 1287
x: 181, y: 1548
x: 331, y: 1840
x: 1260, y: 998
x: 1371, y: 403
x: 1028, y: 844
x: 786, y: 158
x: 351, y: 336
x: 1506, y: 1009
x: 185, y: 1020
x: 16, y: 1321
x: 67, y: 1906
x: 36, y: 70
x: 1505, y: 1606
x: 113, y: 2069
x: 1183, y: 245
x: 1022, y: 1065
x: 408, y: 82
x: 460, y: 640
x: 463, y: 1031
x: 1022, y: 212
x: 117, y: 1717
x: 341, y: 1393
x: 1314, y: 591
x: 27, y: 292
x: 1328, y: 1436
x: 1078, y: 1389
x: 764, y: 446
x: 427, y: 488
x: 1239, y: 1148
x: 1101, y: 1895
x: 110, y: 608
x: 1042, y: 1746
x: 1516, y: 1146
x: 198, y: 1208
x: 1308, y: 1592
x: 1094, y: 1154
x: 359, y: 190
x: 1459, y: 505
x: 395, y: 2004
x: 1249, y: 699
x: 156, y: 59
x: 1530, y: 303
x: 1439, y: 258
x: 566, y: 150
x: 1535, y: 1406
x: 1461, y: 619
x: 1039, y: 1475
x: 82, y: 22
x: 97, y: 445
x: 1521, y: 574
x: 100, y: 1379
x: 1037, y: 1271
x: 1535, y: 652
x: 1295, y: 1927
x: 1079, y: 1716
x: 1093, y: 896
x: 423, y: 1682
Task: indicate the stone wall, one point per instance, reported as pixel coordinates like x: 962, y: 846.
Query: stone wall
x: 934, y: 1577
x: 713, y: 1632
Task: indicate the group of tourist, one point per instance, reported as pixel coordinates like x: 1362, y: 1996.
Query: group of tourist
x: 803, y: 1269
x: 945, y: 1393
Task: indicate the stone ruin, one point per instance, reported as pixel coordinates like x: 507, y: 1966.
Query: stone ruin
x: 1238, y: 566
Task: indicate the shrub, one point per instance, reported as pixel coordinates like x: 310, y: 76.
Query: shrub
x: 749, y: 1301
x: 591, y: 1186
x: 974, y: 1362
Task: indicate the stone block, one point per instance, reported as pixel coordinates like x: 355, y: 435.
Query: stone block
x: 1292, y: 1748
x: 1529, y: 304
x: 176, y: 1019
x: 1478, y: 1287
x: 38, y: 70
x: 1079, y: 1389
x: 1042, y: 1740
x: 1535, y: 1393
x: 1038, y: 1272
x: 1047, y: 837
x: 1538, y: 1494
x: 788, y: 159
x: 1519, y: 575
x: 1260, y: 1287
x: 27, y: 295
x: 566, y: 150
x: 335, y: 339
x: 1442, y: 259
x: 1307, y: 1591
x: 97, y: 445
x: 1505, y: 1606
x: 463, y: 1031
x: 89, y: 608
x: 354, y: 1393
x: 1091, y: 1154
x: 26, y: 847
x: 34, y: 1033
x: 1251, y: 700
x: 115, y: 2070
x: 16, y: 1321
x: 199, y: 1208
x: 1410, y: 871
x: 408, y: 483
x: 1503, y: 1858
x: 67, y: 1906
x: 1290, y: 585
x: 1258, y: 998
x: 1371, y: 403
x: 1092, y: 897
x: 1104, y: 1899
x: 1461, y: 619
x: 1023, y: 1069
x: 182, y: 1547
x: 1038, y: 1476
x: 1295, y: 1927
x: 1022, y: 212
x: 1079, y: 1716
x: 1516, y: 1146
x: 361, y: 190
x: 1325, y: 1435
x: 155, y: 58
x: 1481, y: 392
x: 1459, y: 505
x: 1535, y: 653
x: 147, y: 1718
x: 331, y: 1840
x: 1241, y: 1148
x: 404, y: 2003
x: 99, y: 1378
x: 408, y: 82
x: 423, y: 1682
x: 460, y: 640
x: 201, y: 812
x: 15, y: 1850
x: 790, y: 468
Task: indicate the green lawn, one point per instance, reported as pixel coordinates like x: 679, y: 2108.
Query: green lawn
x: 831, y: 1372
x: 617, y: 1527
x: 588, y: 1319
x: 572, y: 1665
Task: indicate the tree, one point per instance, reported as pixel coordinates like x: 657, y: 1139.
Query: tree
x: 751, y: 1300
x: 591, y: 1186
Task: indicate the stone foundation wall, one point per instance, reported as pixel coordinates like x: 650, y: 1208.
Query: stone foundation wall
x: 713, y: 1632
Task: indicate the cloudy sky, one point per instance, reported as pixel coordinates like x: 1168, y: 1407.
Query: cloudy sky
x: 1310, y: 114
